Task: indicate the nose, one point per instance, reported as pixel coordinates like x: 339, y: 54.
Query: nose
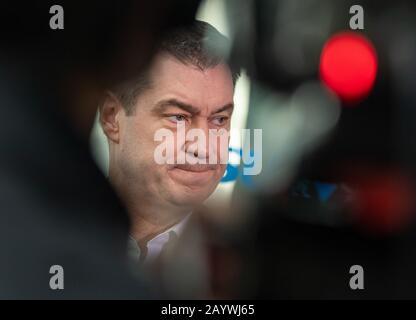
x: 197, y: 140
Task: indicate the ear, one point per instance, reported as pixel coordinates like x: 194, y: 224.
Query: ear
x: 110, y: 111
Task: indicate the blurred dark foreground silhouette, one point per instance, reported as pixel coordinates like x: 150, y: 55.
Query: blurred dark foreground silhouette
x: 56, y: 207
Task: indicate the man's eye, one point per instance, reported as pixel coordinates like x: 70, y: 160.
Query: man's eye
x: 220, y: 120
x: 177, y: 118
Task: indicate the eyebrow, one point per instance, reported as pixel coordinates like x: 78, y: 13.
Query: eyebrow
x: 164, y: 104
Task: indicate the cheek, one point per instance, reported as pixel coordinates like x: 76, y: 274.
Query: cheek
x: 130, y: 146
x: 138, y: 136
x: 220, y: 173
x: 223, y: 167
x: 221, y: 149
x: 136, y: 156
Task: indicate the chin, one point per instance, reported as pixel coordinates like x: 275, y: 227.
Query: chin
x: 182, y: 195
x: 190, y: 199
x: 191, y: 188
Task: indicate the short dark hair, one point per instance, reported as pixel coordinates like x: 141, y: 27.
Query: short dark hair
x: 198, y: 44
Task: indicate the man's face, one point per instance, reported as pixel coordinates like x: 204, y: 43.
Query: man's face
x: 198, y: 99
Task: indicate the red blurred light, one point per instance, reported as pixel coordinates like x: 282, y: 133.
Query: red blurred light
x: 383, y: 201
x: 348, y: 66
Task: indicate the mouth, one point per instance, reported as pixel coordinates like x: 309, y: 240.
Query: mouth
x: 195, y: 167
x: 193, y: 175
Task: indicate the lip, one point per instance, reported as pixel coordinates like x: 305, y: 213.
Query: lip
x: 194, y: 171
x: 195, y: 168
x: 194, y: 177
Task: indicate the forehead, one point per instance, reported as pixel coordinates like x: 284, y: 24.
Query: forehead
x: 206, y: 89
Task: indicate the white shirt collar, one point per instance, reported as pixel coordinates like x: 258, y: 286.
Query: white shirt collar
x: 155, y: 245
